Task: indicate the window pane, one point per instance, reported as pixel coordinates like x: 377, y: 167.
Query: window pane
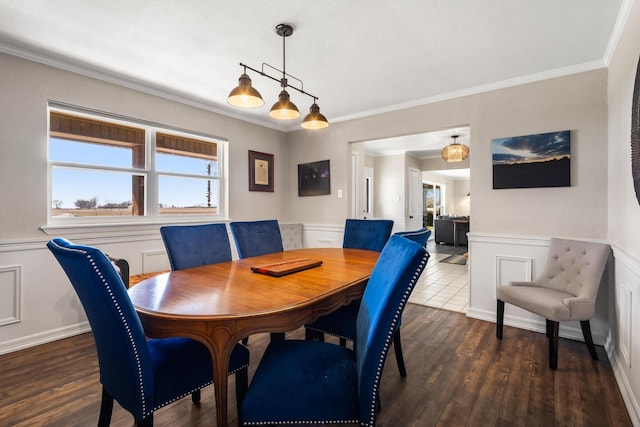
x: 180, y: 154
x: 83, y: 193
x: 90, y: 153
x: 185, y: 164
x: 186, y: 196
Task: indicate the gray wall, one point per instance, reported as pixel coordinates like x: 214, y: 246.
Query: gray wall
x: 26, y: 88
x: 577, y: 103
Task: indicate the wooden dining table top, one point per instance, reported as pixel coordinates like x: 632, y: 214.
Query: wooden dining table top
x: 220, y: 304
x: 233, y: 290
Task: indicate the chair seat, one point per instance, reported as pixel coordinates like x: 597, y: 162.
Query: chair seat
x: 548, y: 303
x: 284, y: 370
x: 173, y: 360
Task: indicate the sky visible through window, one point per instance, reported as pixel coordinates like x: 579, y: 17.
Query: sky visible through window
x: 70, y: 185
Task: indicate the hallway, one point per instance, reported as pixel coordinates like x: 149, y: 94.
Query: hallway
x: 442, y: 285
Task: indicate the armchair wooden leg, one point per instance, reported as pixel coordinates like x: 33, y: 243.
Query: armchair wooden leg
x: 245, y: 341
x: 195, y: 396
x: 553, y: 328
x: 397, y: 346
x: 586, y: 332
x: 500, y: 319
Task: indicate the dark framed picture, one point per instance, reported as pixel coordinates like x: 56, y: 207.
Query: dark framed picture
x: 260, y: 171
x: 542, y: 160
x: 314, y: 179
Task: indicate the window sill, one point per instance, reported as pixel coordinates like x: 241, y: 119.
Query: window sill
x: 121, y: 229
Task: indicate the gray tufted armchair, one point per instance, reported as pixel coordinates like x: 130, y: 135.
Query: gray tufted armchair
x: 566, y: 291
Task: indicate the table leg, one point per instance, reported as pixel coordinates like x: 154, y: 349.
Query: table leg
x: 220, y: 385
x: 221, y: 348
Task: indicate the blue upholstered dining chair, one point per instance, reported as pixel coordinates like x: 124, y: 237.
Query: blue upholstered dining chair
x: 300, y: 381
x: 254, y: 238
x: 420, y: 236
x: 359, y: 234
x: 141, y: 375
x: 195, y: 245
x: 370, y: 234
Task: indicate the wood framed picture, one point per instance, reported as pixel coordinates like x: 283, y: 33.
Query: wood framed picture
x: 314, y: 179
x: 260, y: 171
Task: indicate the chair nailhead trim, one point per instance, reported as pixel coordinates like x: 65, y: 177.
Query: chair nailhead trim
x: 389, y: 339
x: 145, y: 411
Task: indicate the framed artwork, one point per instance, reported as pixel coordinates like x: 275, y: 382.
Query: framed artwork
x: 542, y: 160
x: 260, y: 171
x: 314, y: 179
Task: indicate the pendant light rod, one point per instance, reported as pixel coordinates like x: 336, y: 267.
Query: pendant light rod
x: 246, y: 96
x: 263, y: 74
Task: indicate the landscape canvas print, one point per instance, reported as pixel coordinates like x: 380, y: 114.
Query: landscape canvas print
x: 542, y: 160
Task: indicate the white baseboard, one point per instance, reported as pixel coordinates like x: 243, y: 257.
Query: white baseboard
x: 43, y: 338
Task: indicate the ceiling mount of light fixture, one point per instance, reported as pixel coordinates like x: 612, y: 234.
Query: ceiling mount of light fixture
x: 246, y: 96
x: 455, y: 152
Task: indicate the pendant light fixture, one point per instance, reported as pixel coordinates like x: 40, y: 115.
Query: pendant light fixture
x: 246, y: 96
x: 315, y: 119
x: 455, y: 152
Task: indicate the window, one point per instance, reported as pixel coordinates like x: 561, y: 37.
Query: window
x: 433, y: 205
x: 105, y: 169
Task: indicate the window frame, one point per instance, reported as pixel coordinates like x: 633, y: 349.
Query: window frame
x: 152, y: 210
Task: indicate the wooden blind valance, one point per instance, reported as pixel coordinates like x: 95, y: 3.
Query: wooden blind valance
x: 83, y: 129
x: 181, y: 145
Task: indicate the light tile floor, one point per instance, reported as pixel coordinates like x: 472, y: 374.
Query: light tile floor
x: 442, y: 285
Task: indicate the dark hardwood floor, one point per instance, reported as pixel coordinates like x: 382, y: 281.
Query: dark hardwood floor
x: 459, y: 374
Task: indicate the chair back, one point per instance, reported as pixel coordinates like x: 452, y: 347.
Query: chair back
x: 195, y: 245
x: 575, y: 267
x: 370, y: 234
x: 419, y: 236
x: 123, y: 354
x: 254, y: 238
x: 393, y: 278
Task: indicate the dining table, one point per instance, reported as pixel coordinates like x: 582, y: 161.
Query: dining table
x: 220, y: 304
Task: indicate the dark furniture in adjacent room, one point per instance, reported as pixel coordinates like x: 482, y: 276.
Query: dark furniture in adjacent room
x: 449, y: 228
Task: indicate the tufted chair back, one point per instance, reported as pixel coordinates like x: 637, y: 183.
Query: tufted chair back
x: 575, y: 267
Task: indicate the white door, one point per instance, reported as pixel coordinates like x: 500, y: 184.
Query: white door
x: 354, y: 186
x: 368, y: 193
x: 415, y: 200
